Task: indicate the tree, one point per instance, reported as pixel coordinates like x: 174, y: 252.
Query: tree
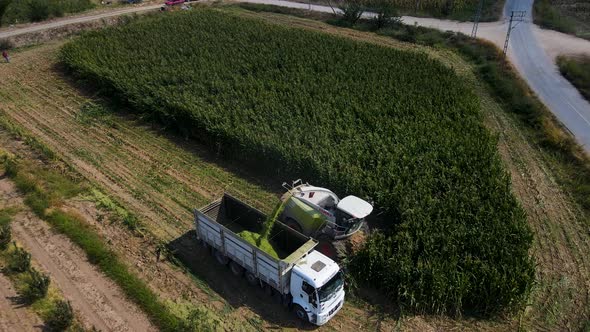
x: 38, y: 10
x: 352, y: 10
x: 3, y: 6
x: 386, y: 13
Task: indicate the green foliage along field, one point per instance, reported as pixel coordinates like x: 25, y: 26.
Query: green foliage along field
x: 358, y: 118
x: 20, y: 11
x: 569, y: 16
x: 577, y: 71
x: 463, y: 10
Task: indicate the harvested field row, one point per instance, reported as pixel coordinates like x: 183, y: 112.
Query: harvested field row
x: 97, y: 300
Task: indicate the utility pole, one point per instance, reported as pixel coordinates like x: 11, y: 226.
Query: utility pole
x: 476, y: 19
x: 516, y: 16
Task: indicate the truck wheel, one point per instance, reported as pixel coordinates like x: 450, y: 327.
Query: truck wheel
x: 268, y: 290
x: 251, y: 278
x: 286, y: 300
x: 221, y: 258
x: 236, y: 269
x: 300, y: 313
x: 293, y: 224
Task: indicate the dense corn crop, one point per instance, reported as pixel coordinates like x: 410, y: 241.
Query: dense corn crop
x: 358, y: 118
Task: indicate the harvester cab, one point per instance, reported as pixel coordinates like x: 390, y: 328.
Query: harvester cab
x: 318, y: 212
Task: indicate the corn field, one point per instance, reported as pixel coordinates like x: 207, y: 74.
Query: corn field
x: 395, y: 126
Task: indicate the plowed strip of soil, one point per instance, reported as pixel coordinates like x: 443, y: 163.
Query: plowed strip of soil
x: 100, y: 303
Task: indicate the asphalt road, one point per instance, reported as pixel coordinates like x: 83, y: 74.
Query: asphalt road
x: 532, y: 61
x: 542, y: 75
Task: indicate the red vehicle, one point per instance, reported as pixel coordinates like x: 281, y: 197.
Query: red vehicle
x: 174, y: 2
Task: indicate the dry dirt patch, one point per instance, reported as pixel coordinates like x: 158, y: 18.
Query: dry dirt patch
x: 97, y: 300
x: 13, y: 315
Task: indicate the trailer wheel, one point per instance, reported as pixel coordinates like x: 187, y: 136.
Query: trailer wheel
x: 268, y: 290
x: 205, y: 245
x: 221, y: 258
x: 251, y: 278
x: 236, y: 269
x: 293, y: 224
x: 300, y: 313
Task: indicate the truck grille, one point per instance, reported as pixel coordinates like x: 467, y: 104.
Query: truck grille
x: 335, y: 308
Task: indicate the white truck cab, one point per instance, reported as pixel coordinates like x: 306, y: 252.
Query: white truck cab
x: 317, y: 287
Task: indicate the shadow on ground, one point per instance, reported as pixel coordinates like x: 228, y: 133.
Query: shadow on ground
x: 234, y: 289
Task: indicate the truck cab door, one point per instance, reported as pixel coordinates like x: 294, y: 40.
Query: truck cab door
x: 303, y: 293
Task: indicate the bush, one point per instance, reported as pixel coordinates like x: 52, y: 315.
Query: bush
x: 5, y: 235
x: 19, y: 260
x: 577, y: 71
x: 61, y: 317
x: 37, y: 285
x: 387, y: 14
x: 548, y: 17
x: 3, y: 6
x: 352, y: 10
x: 38, y: 10
x: 6, y: 44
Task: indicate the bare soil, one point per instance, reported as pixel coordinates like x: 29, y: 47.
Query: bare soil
x: 162, y: 179
x: 13, y: 315
x: 98, y: 301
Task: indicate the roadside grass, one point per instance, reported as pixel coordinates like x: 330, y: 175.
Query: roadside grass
x: 549, y: 17
x: 567, y: 16
x: 567, y: 158
x: 24, y: 281
x: 577, y: 70
x: 465, y: 11
x: 44, y: 190
x: 22, y: 11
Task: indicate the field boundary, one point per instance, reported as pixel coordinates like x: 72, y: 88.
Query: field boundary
x: 45, y: 205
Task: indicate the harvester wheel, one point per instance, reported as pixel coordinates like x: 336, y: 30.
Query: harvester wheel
x: 293, y: 224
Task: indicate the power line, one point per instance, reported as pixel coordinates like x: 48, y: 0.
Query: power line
x: 516, y: 16
x: 476, y: 19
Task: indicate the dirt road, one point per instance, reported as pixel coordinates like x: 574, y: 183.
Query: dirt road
x: 36, y: 27
x: 13, y: 315
x: 99, y: 302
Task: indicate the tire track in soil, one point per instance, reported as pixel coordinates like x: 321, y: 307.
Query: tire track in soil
x: 561, y: 244
x: 97, y: 299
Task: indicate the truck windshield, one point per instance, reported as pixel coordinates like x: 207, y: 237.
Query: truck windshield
x: 329, y: 290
